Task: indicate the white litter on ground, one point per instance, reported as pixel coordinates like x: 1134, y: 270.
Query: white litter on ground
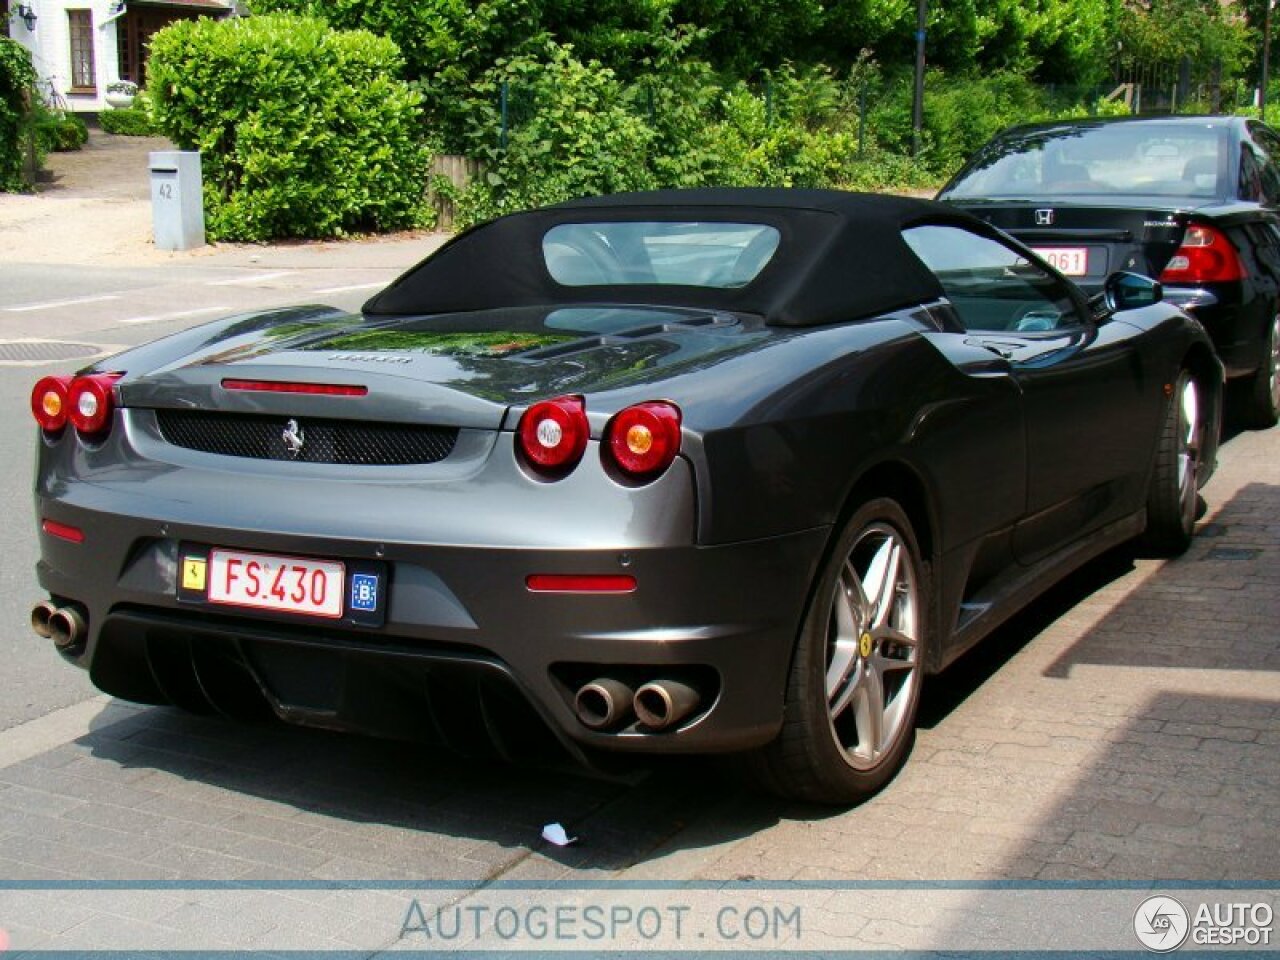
x: 555, y: 833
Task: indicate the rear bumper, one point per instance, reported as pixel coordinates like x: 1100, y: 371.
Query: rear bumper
x: 467, y: 654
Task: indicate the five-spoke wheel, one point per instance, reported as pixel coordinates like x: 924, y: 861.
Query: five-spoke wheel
x: 854, y: 685
x: 1173, y: 497
x: 871, y: 646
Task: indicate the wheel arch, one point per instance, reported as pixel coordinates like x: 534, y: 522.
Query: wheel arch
x: 898, y: 480
x: 1205, y: 367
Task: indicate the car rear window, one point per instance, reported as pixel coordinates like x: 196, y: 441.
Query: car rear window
x: 1152, y: 159
x: 695, y: 254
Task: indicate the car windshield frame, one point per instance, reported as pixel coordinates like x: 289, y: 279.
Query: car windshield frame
x: 1182, y: 161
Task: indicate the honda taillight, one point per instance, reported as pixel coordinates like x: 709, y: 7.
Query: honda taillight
x: 49, y: 403
x: 89, y: 404
x: 1206, y: 256
x: 644, y: 439
x: 553, y: 434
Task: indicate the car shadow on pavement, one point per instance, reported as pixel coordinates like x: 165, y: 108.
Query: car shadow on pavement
x: 1163, y: 764
x: 391, y: 810
x: 943, y: 694
x: 1200, y: 610
x: 1186, y: 788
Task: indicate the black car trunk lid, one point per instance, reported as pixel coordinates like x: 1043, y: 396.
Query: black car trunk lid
x: 1089, y: 241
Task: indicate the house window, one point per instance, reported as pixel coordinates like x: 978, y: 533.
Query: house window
x: 83, y: 72
x: 124, y: 65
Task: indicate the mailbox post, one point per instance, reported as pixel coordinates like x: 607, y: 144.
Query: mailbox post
x: 177, y: 202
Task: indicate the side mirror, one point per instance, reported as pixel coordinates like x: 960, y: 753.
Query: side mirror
x: 1129, y: 291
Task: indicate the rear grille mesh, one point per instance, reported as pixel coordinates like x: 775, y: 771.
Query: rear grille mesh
x: 354, y: 442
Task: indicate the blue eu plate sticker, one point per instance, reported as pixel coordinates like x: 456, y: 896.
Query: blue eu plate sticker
x: 364, y: 592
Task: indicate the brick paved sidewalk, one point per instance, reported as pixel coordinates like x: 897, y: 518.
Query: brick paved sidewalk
x: 1126, y: 728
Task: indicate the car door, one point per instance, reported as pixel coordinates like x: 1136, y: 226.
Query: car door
x: 1087, y: 450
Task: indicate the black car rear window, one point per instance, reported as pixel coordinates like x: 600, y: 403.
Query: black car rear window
x: 693, y: 254
x: 1151, y: 159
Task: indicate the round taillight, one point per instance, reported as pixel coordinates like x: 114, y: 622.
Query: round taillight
x: 49, y: 403
x: 644, y: 439
x: 553, y: 434
x: 89, y: 404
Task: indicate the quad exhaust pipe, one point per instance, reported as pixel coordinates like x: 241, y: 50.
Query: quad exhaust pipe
x: 65, y: 626
x: 606, y: 704
x: 41, y: 614
x: 660, y: 704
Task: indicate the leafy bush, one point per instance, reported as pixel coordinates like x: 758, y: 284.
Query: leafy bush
x: 131, y: 122
x: 962, y: 113
x: 802, y: 131
x: 304, y: 131
x: 578, y: 136
x: 17, y: 94
x: 59, y: 131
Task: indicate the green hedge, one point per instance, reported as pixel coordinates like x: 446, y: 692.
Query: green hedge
x: 131, y: 122
x: 304, y: 131
x: 578, y: 130
x: 17, y: 93
x: 59, y: 131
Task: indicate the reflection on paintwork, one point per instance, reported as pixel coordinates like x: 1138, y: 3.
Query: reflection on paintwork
x: 497, y: 343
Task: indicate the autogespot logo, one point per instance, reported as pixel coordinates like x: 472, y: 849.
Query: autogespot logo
x: 1161, y: 923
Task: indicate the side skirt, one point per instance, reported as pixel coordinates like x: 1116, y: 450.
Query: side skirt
x: 983, y: 613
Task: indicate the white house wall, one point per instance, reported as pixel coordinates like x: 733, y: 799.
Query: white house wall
x: 50, y: 46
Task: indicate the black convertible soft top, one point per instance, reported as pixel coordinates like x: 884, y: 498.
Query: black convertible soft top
x: 841, y: 257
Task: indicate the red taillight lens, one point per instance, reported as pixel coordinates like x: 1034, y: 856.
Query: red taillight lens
x: 49, y: 402
x: 553, y: 434
x: 579, y: 583
x: 644, y: 439
x: 285, y: 386
x: 63, y: 531
x: 1206, y: 256
x: 89, y: 403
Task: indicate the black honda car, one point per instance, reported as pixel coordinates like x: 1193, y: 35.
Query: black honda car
x: 1191, y: 200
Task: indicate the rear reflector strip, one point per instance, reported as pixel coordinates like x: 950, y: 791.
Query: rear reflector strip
x: 62, y: 531
x: 285, y: 386
x: 579, y: 583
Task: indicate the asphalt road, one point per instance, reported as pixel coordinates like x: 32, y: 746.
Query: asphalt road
x: 108, y: 308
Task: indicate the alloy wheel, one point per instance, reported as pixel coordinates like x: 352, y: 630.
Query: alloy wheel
x: 1275, y: 364
x: 872, y: 664
x: 1188, y: 449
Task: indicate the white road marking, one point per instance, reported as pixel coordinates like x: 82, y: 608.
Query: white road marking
x: 51, y: 304
x: 249, y: 281
x: 161, y: 317
x: 354, y: 286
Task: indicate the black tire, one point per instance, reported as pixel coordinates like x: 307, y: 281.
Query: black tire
x: 1173, y: 496
x: 812, y: 758
x: 1262, y: 397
